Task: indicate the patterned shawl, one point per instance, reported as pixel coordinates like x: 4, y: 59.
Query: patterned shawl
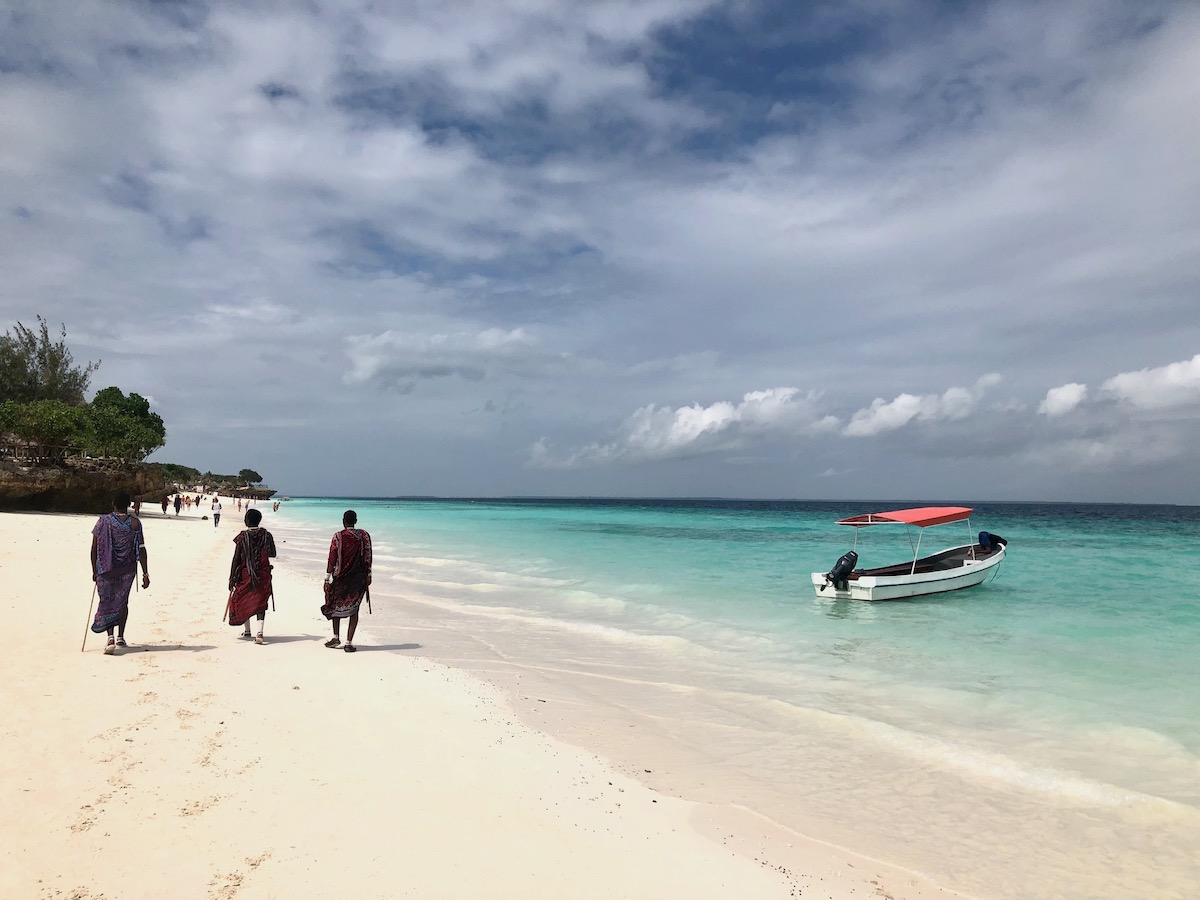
x: 348, y: 547
x: 118, y: 542
x: 251, y: 545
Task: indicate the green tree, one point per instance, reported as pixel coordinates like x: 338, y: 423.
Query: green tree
x: 179, y: 474
x: 33, y: 367
x: 52, y: 426
x: 10, y: 412
x: 125, y: 426
x: 250, y: 476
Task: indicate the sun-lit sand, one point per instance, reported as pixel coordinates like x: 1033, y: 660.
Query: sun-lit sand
x: 193, y: 764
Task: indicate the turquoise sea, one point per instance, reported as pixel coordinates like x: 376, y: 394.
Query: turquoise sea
x: 1049, y: 719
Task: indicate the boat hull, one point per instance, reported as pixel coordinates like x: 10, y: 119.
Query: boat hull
x: 866, y: 586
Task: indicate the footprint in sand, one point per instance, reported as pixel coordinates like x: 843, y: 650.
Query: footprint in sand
x: 249, y: 767
x: 88, y: 812
x: 234, y: 880
x: 228, y: 890
x: 196, y: 807
x: 211, y: 746
x: 79, y: 893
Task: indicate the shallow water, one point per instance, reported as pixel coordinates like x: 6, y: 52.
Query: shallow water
x: 1046, y: 719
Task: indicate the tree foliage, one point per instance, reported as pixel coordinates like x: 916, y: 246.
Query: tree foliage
x: 42, y: 403
x: 179, y: 474
x: 124, y: 426
x: 33, y: 367
x: 51, y: 426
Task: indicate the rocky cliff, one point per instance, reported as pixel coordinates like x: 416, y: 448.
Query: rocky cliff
x: 80, y: 486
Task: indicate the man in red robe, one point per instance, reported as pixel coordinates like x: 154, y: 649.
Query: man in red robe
x: 250, y: 575
x: 348, y: 575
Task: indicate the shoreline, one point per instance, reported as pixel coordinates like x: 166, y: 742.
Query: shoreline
x: 286, y: 773
x: 972, y: 820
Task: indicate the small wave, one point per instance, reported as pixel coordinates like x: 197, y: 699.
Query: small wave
x: 590, y: 629
x: 999, y: 768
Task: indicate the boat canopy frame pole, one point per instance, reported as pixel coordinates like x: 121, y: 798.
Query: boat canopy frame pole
x: 916, y: 550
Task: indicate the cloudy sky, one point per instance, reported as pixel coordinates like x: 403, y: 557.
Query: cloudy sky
x: 888, y: 250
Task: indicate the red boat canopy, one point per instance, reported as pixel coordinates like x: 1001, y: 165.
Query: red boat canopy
x: 921, y: 516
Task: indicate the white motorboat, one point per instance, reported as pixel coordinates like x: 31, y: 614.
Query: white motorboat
x: 951, y: 569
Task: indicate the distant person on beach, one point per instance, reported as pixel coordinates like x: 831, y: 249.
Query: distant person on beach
x: 216, y: 510
x: 250, y: 575
x: 178, y: 503
x: 117, y: 548
x: 347, y: 579
x: 165, y: 500
x: 137, y: 507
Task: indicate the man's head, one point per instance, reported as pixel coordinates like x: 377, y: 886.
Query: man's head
x: 253, y: 517
x: 349, y: 518
x: 121, y: 501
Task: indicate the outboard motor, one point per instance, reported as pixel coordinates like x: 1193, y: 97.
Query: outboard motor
x: 838, y: 576
x: 989, y: 542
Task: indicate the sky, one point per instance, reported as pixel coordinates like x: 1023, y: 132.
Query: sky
x: 937, y: 252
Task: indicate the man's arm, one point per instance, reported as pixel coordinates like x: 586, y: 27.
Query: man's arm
x: 145, y: 561
x: 143, y: 558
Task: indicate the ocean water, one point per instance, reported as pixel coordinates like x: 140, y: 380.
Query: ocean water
x: 1047, y: 721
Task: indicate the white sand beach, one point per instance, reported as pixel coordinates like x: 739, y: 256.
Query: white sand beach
x: 193, y: 764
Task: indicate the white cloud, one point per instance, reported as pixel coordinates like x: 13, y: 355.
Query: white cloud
x: 660, y: 432
x: 1167, y: 387
x: 882, y: 415
x: 1061, y: 400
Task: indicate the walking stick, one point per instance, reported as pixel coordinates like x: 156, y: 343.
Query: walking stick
x: 369, y: 599
x: 272, y: 598
x: 88, y: 625
x: 228, y: 603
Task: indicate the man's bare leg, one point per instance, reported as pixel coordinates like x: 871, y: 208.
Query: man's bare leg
x: 353, y: 624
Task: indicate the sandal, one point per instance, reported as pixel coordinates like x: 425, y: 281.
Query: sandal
x: 334, y: 642
x: 121, y: 642
x: 259, y: 639
x: 246, y: 635
x: 111, y: 648
x: 350, y: 648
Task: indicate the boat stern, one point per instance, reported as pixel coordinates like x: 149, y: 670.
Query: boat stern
x: 824, y: 588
